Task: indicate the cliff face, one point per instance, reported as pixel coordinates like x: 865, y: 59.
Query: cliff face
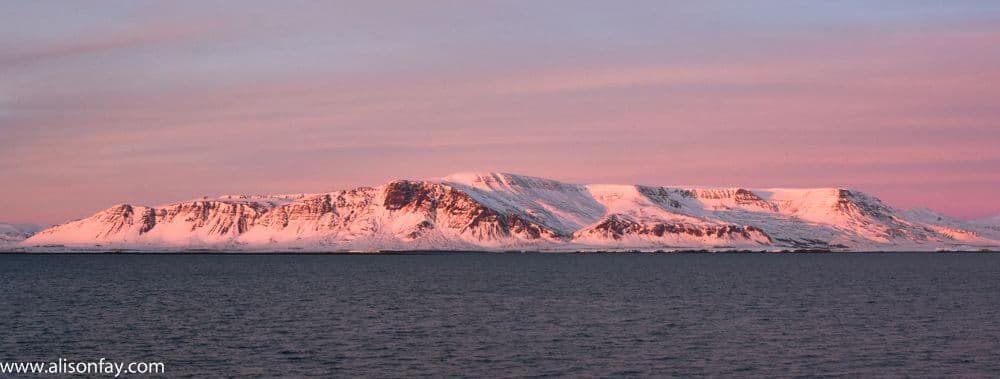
x: 503, y: 211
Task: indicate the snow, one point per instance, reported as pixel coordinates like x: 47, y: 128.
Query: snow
x: 627, y: 200
x: 12, y: 234
x: 993, y: 222
x: 259, y: 200
x: 9, y: 228
x: 810, y: 204
x: 502, y: 211
x: 565, y: 207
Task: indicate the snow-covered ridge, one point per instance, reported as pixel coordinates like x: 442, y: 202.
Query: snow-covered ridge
x: 989, y: 221
x: 11, y: 234
x: 500, y: 211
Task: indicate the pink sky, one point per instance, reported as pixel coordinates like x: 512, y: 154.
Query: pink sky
x: 156, y: 106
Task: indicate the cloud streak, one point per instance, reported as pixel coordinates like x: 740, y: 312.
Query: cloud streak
x: 33, y: 53
x: 881, y: 112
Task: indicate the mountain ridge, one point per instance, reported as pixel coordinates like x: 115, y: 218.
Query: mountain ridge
x: 502, y: 211
x: 11, y: 234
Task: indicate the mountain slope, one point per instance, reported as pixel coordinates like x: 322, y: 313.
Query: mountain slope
x: 498, y: 211
x: 990, y: 223
x: 11, y: 234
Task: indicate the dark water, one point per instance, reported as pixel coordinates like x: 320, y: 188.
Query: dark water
x: 921, y: 315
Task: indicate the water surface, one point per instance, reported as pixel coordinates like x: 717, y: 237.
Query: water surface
x: 510, y: 315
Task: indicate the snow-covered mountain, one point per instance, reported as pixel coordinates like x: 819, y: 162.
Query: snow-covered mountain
x: 991, y: 223
x: 498, y: 211
x: 12, y: 234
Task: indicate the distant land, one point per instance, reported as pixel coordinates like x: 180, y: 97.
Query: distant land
x: 11, y: 234
x: 504, y: 212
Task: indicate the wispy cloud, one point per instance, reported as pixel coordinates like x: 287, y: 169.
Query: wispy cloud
x: 834, y: 110
x: 27, y: 53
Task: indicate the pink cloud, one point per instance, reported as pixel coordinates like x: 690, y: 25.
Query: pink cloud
x: 29, y: 53
x: 878, y: 112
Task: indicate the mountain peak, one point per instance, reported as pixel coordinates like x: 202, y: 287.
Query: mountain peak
x: 471, y: 177
x: 500, y: 180
x: 504, y: 211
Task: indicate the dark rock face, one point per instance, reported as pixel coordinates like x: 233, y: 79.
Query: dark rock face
x: 123, y: 216
x: 503, y: 211
x: 436, y: 203
x: 461, y: 211
x: 664, y: 196
x: 616, y: 227
x: 403, y: 193
x: 217, y: 217
x: 670, y: 197
x: 502, y: 224
x: 851, y: 203
x: 520, y: 226
x: 870, y: 213
x: 747, y: 197
x: 310, y: 208
x: 148, y: 221
x: 488, y: 223
x: 117, y: 218
x: 740, y: 196
x: 419, y: 229
x: 440, y: 205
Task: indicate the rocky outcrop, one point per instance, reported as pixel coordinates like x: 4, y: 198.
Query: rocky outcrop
x: 616, y: 227
x: 503, y: 211
x: 461, y: 212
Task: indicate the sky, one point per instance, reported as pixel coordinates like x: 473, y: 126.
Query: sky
x: 151, y: 102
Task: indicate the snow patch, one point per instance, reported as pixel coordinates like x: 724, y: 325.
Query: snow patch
x: 502, y: 211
